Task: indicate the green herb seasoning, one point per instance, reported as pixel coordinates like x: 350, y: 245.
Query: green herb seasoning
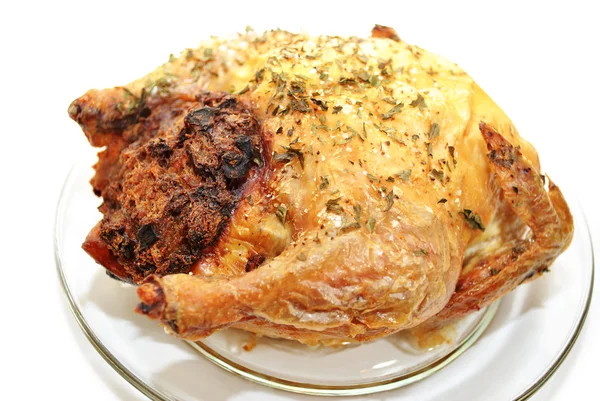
x: 393, y: 111
x: 436, y: 174
x: 333, y: 205
x: 472, y: 219
x: 370, y: 224
x: 289, y: 155
x: 434, y: 131
x: 320, y: 103
x: 451, y: 151
x: 419, y: 102
x: 404, y: 175
x: 389, y: 201
x: 372, y: 178
x: 281, y: 213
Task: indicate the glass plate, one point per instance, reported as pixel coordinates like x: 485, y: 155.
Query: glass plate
x: 534, y: 329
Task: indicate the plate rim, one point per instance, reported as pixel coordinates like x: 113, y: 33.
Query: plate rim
x: 379, y: 386
x: 156, y: 395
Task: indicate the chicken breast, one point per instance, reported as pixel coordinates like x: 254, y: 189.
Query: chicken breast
x: 320, y: 189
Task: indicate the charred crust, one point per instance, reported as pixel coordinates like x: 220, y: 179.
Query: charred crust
x: 517, y: 251
x: 172, y: 325
x: 177, y: 203
x: 501, y: 152
x: 147, y: 236
x: 237, y: 163
x: 179, y: 263
x: 504, y: 157
x: 202, y: 118
x: 144, y: 309
x: 115, y: 277
x: 118, y: 240
x: 102, y: 254
x: 170, y: 188
x: 160, y: 150
x: 254, y: 261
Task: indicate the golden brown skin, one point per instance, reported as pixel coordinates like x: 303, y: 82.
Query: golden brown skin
x: 520, y: 259
x: 380, y: 195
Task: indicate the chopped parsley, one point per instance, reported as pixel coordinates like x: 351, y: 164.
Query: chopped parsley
x: 472, y: 219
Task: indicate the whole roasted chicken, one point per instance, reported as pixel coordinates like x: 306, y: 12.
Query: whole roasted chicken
x: 321, y: 189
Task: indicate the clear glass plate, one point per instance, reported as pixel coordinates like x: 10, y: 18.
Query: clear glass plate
x: 534, y: 329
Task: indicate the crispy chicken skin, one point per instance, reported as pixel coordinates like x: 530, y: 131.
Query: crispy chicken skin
x: 320, y: 189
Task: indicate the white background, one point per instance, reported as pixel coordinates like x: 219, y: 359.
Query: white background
x: 538, y: 60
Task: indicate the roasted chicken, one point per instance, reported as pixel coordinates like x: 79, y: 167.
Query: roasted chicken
x: 320, y: 189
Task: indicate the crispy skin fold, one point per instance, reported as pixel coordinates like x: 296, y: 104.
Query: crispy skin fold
x: 317, y: 294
